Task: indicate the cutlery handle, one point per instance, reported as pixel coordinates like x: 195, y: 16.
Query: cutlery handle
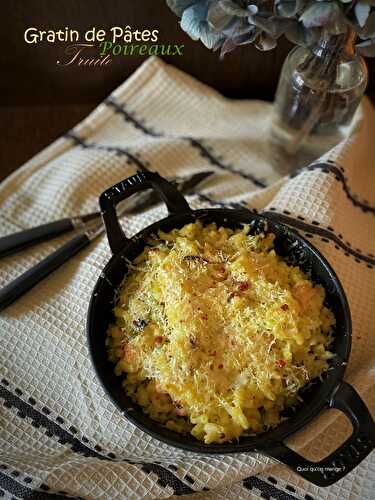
x: 24, y: 239
x: 37, y: 273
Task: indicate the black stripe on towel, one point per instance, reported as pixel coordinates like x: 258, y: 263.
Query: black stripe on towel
x: 268, y: 490
x: 21, y: 491
x: 331, y: 168
x: 129, y: 118
x: 132, y: 158
x: 204, y: 151
x: 213, y: 160
x: 325, y: 167
x: 39, y: 419
x: 310, y: 229
x: 325, y: 234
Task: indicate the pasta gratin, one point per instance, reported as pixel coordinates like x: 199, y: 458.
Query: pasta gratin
x: 216, y: 333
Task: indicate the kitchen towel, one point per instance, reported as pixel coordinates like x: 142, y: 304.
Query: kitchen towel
x: 59, y: 433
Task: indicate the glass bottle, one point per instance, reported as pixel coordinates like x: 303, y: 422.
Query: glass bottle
x: 318, y: 92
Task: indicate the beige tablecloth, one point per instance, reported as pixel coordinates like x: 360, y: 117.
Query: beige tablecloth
x: 59, y: 432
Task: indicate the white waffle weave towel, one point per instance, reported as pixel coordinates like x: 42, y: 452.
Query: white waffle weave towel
x: 59, y: 431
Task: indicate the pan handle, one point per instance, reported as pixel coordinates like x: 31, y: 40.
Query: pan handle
x: 348, y: 455
x: 108, y: 200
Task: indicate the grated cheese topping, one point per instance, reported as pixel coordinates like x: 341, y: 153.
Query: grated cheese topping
x: 216, y: 333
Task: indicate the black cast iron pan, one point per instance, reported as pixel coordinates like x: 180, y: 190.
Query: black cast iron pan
x: 332, y: 392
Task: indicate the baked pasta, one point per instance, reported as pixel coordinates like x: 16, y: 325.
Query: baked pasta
x: 216, y: 333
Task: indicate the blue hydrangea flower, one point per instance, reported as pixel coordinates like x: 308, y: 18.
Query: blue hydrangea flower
x: 194, y: 21
x: 225, y: 24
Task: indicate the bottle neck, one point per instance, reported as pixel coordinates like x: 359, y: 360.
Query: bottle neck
x: 336, y: 46
x: 320, y: 66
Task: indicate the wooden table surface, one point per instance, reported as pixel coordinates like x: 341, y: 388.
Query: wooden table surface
x: 25, y: 130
